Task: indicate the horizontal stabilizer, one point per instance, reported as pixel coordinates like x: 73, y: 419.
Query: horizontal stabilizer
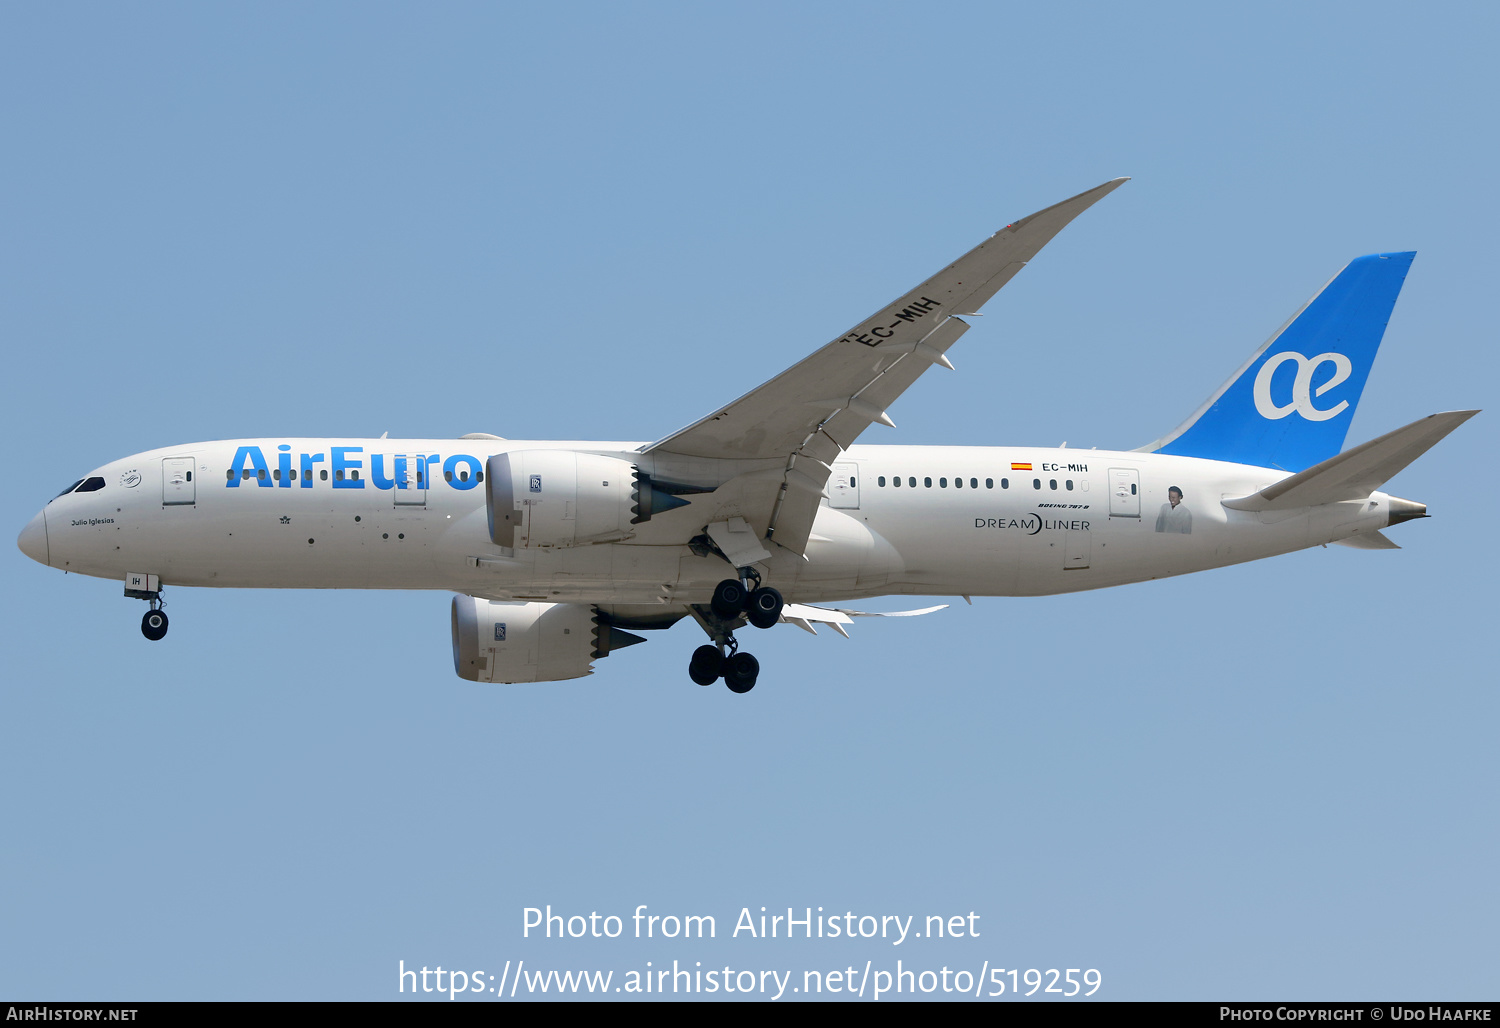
x: 1368, y: 541
x: 1355, y: 474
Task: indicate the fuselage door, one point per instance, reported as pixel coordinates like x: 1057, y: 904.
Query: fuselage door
x: 1124, y: 493
x: 177, y: 486
x: 843, y: 487
x: 1078, y: 547
x: 410, y: 474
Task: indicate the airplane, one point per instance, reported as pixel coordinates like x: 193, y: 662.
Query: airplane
x: 766, y: 512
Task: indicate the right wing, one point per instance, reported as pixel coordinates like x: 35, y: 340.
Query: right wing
x: 810, y: 413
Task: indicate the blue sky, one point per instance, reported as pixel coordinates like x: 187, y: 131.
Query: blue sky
x: 1270, y: 781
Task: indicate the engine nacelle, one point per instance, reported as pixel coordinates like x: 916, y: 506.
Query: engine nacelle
x: 555, y: 498
x: 559, y: 498
x: 529, y: 642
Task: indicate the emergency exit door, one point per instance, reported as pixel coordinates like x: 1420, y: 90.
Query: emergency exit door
x: 843, y: 487
x: 409, y: 472
x: 1124, y: 493
x: 177, y: 486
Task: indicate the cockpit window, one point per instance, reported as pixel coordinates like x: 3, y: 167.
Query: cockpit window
x: 91, y: 485
x: 70, y: 488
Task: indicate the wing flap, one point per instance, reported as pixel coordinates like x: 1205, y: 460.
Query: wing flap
x: 805, y: 615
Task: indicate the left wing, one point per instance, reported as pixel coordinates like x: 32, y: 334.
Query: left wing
x: 806, y: 416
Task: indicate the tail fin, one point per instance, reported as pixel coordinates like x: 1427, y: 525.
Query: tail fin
x: 1290, y: 405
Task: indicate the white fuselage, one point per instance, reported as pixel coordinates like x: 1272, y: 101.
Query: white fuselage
x: 351, y: 514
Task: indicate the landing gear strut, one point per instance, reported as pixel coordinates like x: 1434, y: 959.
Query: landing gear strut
x: 148, y: 587
x: 735, y: 601
x: 711, y: 662
x: 733, y: 597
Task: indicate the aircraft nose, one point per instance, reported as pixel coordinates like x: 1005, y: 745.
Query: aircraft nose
x: 33, y: 538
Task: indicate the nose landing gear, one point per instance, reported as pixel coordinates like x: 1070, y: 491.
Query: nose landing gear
x: 148, y: 587
x: 154, y: 624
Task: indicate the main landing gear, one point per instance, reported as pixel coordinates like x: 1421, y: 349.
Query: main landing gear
x: 739, y: 670
x: 734, y: 602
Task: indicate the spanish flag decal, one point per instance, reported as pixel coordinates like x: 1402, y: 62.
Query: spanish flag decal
x: 1020, y: 467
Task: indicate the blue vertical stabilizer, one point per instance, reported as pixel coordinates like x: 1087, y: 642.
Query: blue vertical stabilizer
x: 1290, y: 406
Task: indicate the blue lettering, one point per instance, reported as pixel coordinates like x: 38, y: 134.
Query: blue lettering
x: 377, y: 472
x: 461, y: 481
x: 308, y: 460
x: 257, y: 461
x: 284, y: 467
x: 342, y: 464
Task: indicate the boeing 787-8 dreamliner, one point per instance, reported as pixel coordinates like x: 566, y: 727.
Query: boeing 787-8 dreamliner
x: 766, y: 511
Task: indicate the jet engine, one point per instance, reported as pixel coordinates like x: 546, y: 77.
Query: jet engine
x: 530, y: 642
x: 559, y: 498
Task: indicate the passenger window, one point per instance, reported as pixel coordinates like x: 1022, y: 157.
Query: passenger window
x: 189, y: 476
x: 958, y: 483
x: 942, y: 483
x: 1052, y: 482
x: 880, y: 481
x: 1069, y: 484
x: 463, y: 476
x: 479, y: 476
x: 974, y: 483
x: 1132, y: 488
x: 927, y: 482
x: 338, y: 476
x: 91, y: 485
x: 323, y: 474
x: 260, y: 474
x: 853, y: 482
x: 229, y: 475
x: 989, y: 483
x: 1005, y: 483
x: 354, y: 475
x: 448, y: 475
x: 896, y: 482
x: 247, y: 475
x: 276, y: 474
x: 1036, y: 483
x: 911, y: 481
